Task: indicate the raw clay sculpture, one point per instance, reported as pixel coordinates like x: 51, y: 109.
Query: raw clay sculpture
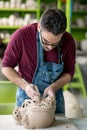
x: 72, y: 105
x: 36, y: 113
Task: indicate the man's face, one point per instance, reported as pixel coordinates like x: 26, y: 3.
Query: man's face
x: 48, y: 40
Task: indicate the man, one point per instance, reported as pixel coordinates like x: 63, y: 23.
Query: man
x: 45, y: 55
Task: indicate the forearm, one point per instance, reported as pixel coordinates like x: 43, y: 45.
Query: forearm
x: 14, y: 77
x: 64, y: 79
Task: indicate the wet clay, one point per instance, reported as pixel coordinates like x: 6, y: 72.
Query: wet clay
x: 36, y: 113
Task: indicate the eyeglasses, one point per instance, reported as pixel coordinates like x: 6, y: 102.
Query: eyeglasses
x: 45, y: 42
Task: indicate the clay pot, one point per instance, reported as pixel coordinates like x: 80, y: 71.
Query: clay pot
x: 41, y: 118
x: 36, y: 113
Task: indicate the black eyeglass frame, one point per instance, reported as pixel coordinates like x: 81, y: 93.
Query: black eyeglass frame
x: 50, y: 44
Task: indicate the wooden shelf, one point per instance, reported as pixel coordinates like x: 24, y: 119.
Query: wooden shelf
x: 9, y: 27
x: 17, y: 10
x: 80, y: 12
x: 79, y: 28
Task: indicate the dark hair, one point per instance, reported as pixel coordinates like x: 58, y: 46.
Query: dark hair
x: 54, y: 21
x: 2, y: 48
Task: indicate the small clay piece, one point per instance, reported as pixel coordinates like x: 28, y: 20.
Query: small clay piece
x: 36, y: 113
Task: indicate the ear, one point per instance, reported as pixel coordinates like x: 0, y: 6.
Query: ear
x: 38, y: 27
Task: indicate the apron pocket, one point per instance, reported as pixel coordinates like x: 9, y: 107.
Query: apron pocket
x: 46, y: 77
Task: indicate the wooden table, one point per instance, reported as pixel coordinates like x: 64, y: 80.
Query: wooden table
x: 60, y: 123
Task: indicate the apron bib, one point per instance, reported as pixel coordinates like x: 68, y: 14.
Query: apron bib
x: 45, y: 74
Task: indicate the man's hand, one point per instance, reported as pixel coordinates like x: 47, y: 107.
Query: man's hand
x: 49, y: 91
x: 32, y: 90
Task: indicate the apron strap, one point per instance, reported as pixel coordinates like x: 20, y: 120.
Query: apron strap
x: 59, y: 53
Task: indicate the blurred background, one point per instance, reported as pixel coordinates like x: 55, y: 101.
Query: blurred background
x: 17, y: 13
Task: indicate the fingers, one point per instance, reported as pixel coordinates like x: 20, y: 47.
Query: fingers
x: 49, y: 92
x: 32, y: 91
x: 35, y: 88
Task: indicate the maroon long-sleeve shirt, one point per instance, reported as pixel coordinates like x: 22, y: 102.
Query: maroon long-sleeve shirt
x: 22, y: 51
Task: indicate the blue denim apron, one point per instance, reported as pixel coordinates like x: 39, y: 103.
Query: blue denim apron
x: 45, y: 74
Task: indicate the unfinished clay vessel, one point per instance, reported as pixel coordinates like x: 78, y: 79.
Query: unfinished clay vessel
x: 72, y: 105
x: 36, y: 113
